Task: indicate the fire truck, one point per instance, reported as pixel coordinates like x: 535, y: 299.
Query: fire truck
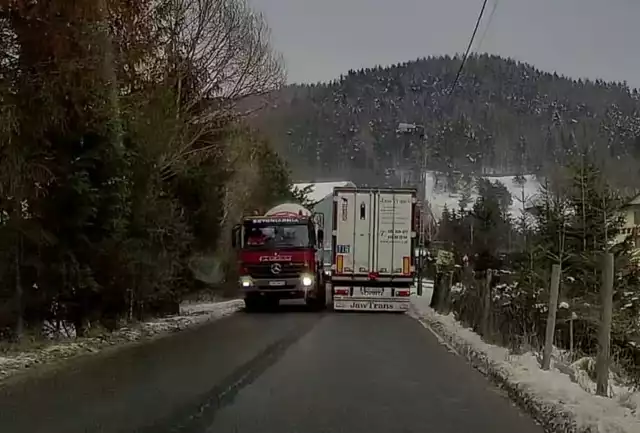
x: 280, y: 257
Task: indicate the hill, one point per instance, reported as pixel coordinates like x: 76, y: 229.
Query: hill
x: 503, y: 118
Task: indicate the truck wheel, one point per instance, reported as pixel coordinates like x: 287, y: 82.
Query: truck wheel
x: 322, y: 298
x: 318, y: 303
x: 312, y: 304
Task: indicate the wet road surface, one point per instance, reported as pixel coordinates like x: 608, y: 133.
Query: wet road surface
x: 294, y: 371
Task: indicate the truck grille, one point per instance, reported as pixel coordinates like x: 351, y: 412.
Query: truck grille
x: 264, y: 270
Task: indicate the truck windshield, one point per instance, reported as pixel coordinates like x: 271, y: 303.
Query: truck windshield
x: 276, y: 236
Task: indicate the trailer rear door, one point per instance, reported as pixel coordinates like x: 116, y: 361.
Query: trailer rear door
x: 373, y: 232
x: 394, y: 233
x: 354, y: 232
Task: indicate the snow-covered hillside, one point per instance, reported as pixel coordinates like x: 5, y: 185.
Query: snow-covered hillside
x: 439, y: 194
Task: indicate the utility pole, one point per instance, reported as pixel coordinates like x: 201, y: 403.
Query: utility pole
x: 422, y: 190
x: 554, y: 289
x: 604, y: 339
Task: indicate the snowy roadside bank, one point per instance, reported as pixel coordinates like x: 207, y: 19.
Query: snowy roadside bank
x: 191, y: 315
x: 550, y: 397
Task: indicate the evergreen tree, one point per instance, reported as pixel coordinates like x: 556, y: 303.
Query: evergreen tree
x: 596, y: 221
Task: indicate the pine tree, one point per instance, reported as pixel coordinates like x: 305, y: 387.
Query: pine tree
x: 596, y: 221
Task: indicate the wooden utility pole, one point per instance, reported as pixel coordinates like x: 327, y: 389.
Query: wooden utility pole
x: 446, y: 308
x: 574, y: 316
x: 604, y: 339
x: 486, y: 305
x: 554, y: 289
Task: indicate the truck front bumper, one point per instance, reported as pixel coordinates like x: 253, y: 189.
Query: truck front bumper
x: 285, y: 288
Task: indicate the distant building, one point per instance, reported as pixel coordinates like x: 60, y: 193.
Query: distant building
x: 631, y: 227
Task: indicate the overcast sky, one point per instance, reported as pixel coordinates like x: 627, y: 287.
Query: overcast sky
x: 320, y: 39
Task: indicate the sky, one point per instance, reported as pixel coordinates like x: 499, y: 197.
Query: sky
x: 321, y: 39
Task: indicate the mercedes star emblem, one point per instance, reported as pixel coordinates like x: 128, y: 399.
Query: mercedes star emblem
x: 276, y: 268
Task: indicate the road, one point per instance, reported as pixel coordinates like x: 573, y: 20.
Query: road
x: 295, y: 371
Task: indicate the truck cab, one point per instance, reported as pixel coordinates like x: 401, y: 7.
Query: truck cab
x: 280, y: 257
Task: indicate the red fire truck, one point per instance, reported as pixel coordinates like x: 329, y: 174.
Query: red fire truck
x: 280, y: 257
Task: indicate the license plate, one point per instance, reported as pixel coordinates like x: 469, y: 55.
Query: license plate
x: 276, y: 283
x: 373, y: 291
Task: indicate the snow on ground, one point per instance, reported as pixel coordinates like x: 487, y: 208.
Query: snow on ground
x: 191, y: 314
x: 552, y: 397
x: 439, y: 196
x: 427, y: 289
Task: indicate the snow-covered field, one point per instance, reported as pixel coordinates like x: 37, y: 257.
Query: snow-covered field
x: 191, y: 314
x: 559, y: 403
x: 439, y: 195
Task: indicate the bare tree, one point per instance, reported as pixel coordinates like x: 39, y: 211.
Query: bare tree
x: 225, y: 43
x: 205, y: 55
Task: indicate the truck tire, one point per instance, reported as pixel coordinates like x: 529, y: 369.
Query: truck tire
x: 318, y: 303
x: 313, y: 304
x: 322, y: 297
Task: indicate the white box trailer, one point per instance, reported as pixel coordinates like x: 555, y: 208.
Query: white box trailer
x: 373, y: 240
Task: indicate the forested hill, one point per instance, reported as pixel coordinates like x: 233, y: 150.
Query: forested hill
x: 503, y: 117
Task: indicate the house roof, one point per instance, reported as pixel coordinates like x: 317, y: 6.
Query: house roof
x: 634, y: 201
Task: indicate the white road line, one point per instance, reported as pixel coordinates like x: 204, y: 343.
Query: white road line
x: 440, y: 339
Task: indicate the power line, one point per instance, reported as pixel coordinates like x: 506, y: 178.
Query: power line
x: 466, y: 54
x: 486, y: 28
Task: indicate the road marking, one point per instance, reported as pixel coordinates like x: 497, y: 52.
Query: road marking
x: 440, y: 339
x: 197, y: 416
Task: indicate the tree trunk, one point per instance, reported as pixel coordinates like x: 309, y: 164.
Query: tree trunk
x: 19, y: 292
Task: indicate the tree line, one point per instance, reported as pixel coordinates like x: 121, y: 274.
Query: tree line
x: 504, y: 117
x: 123, y: 163
x: 577, y: 216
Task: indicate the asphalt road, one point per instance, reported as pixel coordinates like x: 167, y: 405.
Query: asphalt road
x: 295, y: 371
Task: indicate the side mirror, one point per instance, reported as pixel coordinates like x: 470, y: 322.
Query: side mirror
x: 235, y: 236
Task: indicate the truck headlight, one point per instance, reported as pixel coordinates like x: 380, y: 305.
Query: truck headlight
x: 307, y: 280
x: 246, y: 281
